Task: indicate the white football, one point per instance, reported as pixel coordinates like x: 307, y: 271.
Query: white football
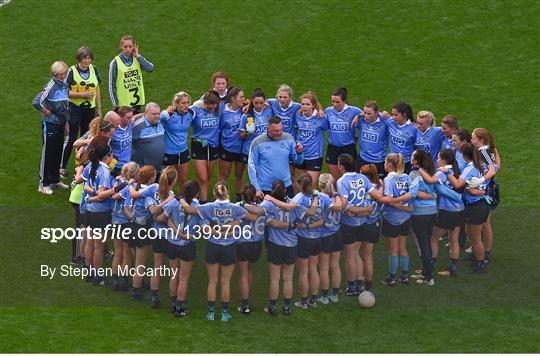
x: 366, y: 299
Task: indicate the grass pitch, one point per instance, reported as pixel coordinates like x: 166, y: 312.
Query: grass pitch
x: 479, y: 61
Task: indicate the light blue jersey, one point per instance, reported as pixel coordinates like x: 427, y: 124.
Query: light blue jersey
x: 269, y: 160
x: 402, y: 138
x: 206, y: 126
x: 460, y: 161
x: 221, y: 212
x: 448, y: 144
x: 118, y: 216
x: 373, y: 140
x: 286, y: 114
x: 341, y: 132
x: 422, y: 206
x: 140, y: 213
x: 396, y: 185
x: 305, y: 201
x: 229, y: 126
x: 184, y: 222
x: 376, y: 213
x: 445, y: 202
x: 102, y: 179
x: 331, y: 217
x: 260, y: 120
x: 469, y: 172
x: 176, y: 128
x: 355, y: 187
x: 282, y: 237
x: 121, y: 144
x: 256, y: 228
x: 155, y: 199
x: 310, y: 134
x: 430, y: 141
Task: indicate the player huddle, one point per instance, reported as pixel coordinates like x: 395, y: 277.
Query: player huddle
x: 388, y: 174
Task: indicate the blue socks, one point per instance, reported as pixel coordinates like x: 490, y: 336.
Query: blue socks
x: 392, y: 264
x: 404, y: 264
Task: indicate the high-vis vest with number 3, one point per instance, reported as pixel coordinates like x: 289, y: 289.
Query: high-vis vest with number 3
x: 129, y: 83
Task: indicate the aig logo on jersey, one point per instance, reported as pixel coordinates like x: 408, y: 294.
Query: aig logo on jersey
x: 355, y: 184
x: 222, y: 213
x: 398, y: 141
x: 210, y: 122
x: 340, y: 127
x: 370, y: 136
x: 286, y: 121
x: 307, y: 133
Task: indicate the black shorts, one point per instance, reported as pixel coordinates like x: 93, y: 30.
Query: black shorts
x: 200, y: 153
x: 371, y: 232
x: 229, y: 156
x: 159, y: 245
x: 280, y: 255
x: 245, y: 158
x: 137, y: 241
x: 85, y: 219
x: 186, y: 253
x: 313, y: 165
x: 448, y: 220
x: 351, y: 234
x: 308, y: 247
x: 99, y: 220
x: 223, y: 254
x: 249, y: 251
x: 332, y: 243
x: 173, y: 160
x: 389, y: 230
x: 380, y: 166
x: 477, y: 213
x: 333, y: 152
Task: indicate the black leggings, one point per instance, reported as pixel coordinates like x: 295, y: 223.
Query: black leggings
x: 79, y: 122
x: 422, y: 226
x: 75, y: 243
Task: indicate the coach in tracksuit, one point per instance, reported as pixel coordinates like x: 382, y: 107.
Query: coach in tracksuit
x: 269, y: 158
x: 53, y: 103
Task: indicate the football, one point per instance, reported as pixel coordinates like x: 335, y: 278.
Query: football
x: 366, y: 299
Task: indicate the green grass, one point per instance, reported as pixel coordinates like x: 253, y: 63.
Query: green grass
x: 479, y: 61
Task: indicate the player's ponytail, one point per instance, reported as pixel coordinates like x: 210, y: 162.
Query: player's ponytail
x: 145, y: 175
x: 449, y: 157
x: 278, y: 190
x: 471, y: 154
x: 248, y: 193
x: 166, y: 180
x: 191, y: 190
x: 306, y: 183
x: 424, y: 161
x: 396, y: 159
x: 130, y: 170
x: 370, y: 171
x: 98, y: 153
x: 221, y: 191
x: 326, y: 184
